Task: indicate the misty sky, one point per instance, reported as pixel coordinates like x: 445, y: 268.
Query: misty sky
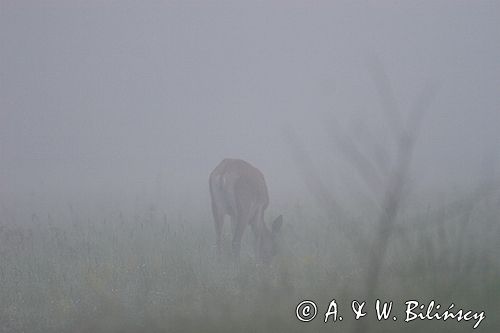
x: 106, y: 98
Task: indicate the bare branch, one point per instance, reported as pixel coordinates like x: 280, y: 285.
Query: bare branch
x: 364, y: 166
x: 387, y: 99
x: 309, y: 172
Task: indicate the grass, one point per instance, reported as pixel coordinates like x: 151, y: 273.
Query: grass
x: 150, y: 272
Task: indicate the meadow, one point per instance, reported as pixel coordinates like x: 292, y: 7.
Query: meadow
x: 153, y: 271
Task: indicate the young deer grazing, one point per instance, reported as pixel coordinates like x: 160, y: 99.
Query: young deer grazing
x: 239, y: 190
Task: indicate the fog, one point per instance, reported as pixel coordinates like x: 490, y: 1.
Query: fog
x: 112, y: 98
x: 125, y: 106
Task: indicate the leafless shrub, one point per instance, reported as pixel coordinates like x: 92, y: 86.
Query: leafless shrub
x: 384, y: 173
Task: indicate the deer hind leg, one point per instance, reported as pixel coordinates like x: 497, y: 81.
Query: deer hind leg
x: 238, y: 234
x: 256, y: 239
x: 257, y: 226
x: 240, y: 224
x: 219, y: 222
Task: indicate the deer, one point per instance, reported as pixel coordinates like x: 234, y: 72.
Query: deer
x: 239, y: 190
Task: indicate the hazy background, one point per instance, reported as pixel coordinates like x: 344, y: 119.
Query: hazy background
x: 123, y: 100
x: 113, y: 114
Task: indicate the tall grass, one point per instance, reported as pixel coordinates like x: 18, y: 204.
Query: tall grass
x: 160, y: 274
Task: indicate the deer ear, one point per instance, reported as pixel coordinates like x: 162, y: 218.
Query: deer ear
x: 276, y: 226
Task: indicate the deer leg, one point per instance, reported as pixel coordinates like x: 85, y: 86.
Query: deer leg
x: 256, y: 240
x: 219, y: 222
x: 237, y: 236
x: 256, y: 223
